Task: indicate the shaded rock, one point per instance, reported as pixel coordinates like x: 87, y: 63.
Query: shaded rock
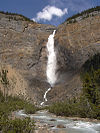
x: 60, y: 126
x: 52, y: 120
x: 50, y: 126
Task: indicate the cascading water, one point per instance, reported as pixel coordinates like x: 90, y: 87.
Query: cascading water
x: 51, y: 64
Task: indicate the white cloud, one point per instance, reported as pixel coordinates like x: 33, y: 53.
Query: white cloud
x: 73, y: 5
x: 48, y: 12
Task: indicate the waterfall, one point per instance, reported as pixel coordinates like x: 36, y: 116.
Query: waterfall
x: 51, y: 64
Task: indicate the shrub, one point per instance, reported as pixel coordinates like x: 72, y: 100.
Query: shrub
x: 13, y: 16
x: 5, y: 82
x: 30, y: 109
x: 88, y: 104
x: 86, y: 13
x: 17, y: 126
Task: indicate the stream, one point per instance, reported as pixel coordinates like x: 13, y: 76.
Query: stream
x: 55, y: 124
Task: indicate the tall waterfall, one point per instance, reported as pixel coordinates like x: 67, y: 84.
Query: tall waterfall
x: 51, y: 64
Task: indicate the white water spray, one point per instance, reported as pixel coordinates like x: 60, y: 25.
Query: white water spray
x: 51, y: 64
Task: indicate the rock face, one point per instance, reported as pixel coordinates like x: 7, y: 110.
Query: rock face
x: 23, y: 53
x: 75, y: 43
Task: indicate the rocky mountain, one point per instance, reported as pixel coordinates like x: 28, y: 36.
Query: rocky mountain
x: 75, y: 43
x: 23, y: 53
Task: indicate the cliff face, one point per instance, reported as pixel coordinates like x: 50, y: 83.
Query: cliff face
x: 23, y: 53
x: 81, y: 40
x: 75, y: 43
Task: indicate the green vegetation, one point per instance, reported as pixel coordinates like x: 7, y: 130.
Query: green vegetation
x: 92, y: 64
x: 88, y: 104
x: 17, y: 125
x: 14, y: 16
x: 9, y: 104
x: 8, y: 125
x: 12, y: 103
x: 5, y: 82
x: 86, y: 13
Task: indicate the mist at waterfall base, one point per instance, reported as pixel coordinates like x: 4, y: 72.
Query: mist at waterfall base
x: 51, y: 64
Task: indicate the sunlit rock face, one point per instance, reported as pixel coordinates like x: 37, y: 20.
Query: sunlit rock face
x: 75, y: 43
x: 23, y: 49
x: 23, y: 52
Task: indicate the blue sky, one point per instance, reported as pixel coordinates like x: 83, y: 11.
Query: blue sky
x: 47, y: 11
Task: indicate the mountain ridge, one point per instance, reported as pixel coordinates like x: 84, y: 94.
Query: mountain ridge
x: 23, y: 53
x: 91, y: 11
